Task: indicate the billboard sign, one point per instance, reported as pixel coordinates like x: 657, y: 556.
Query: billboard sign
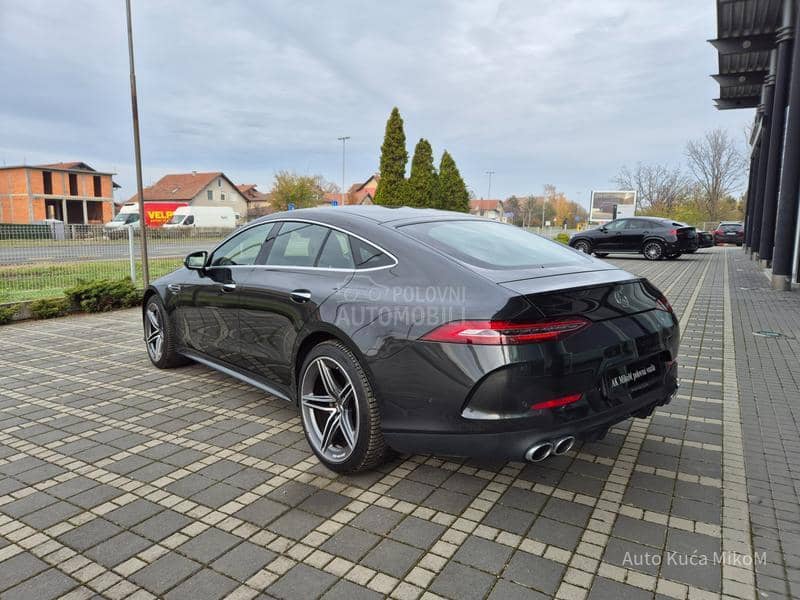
x: 607, y: 206
x: 158, y: 213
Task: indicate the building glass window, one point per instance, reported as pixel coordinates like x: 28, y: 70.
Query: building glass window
x: 210, y: 194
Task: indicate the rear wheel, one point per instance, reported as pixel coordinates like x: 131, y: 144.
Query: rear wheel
x: 583, y: 246
x: 339, y: 411
x: 653, y: 250
x: 159, y: 336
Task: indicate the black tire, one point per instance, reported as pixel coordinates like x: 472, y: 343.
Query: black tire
x: 369, y: 449
x: 675, y: 256
x: 601, y: 254
x: 584, y: 246
x: 168, y: 357
x: 653, y: 250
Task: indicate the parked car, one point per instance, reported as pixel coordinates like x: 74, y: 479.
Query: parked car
x: 653, y: 237
x: 202, y: 216
x: 729, y: 232
x: 420, y: 330
x: 705, y: 239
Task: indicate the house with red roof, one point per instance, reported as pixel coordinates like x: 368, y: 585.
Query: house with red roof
x: 72, y: 192
x: 488, y: 209
x: 258, y: 203
x: 197, y: 189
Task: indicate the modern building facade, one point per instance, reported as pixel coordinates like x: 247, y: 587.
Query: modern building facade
x: 759, y: 67
x: 71, y: 192
x: 197, y: 189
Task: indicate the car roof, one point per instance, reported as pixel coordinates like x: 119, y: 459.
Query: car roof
x: 376, y: 214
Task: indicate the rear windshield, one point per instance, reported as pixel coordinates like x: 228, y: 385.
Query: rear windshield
x: 492, y: 245
x: 730, y: 227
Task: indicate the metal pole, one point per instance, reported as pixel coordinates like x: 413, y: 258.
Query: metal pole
x: 758, y: 207
x: 343, y: 139
x: 788, y: 203
x: 131, y: 257
x: 544, y: 203
x: 781, y: 95
x: 489, y: 190
x: 137, y: 151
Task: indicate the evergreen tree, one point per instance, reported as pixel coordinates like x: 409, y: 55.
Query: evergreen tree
x: 422, y: 187
x: 391, y: 186
x: 453, y: 194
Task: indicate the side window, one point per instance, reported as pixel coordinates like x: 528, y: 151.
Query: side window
x: 189, y: 220
x: 297, y: 245
x: 635, y: 224
x: 336, y: 253
x: 368, y: 256
x: 242, y: 249
x: 616, y: 225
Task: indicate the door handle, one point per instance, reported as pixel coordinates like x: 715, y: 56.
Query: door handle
x: 228, y: 287
x: 300, y: 296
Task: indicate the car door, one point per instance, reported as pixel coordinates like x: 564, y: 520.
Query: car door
x: 633, y: 234
x: 303, y: 264
x: 609, y: 237
x: 208, y: 301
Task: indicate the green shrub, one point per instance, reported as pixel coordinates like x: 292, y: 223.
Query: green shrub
x: 47, y: 308
x: 100, y: 295
x: 6, y: 312
x: 563, y: 238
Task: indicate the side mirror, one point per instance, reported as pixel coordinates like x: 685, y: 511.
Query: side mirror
x: 604, y: 229
x: 196, y: 261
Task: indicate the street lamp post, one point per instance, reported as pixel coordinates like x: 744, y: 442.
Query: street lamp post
x: 137, y: 151
x: 489, y: 190
x: 343, y: 139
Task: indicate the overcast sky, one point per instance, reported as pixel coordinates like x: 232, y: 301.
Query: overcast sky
x: 538, y: 91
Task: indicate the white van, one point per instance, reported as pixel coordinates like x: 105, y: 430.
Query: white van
x: 203, y: 216
x: 128, y: 216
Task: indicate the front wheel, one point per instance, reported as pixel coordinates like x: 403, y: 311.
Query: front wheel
x: 583, y: 246
x: 159, y: 336
x: 653, y: 250
x: 339, y: 411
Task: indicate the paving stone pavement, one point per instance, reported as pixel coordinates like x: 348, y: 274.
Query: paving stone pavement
x: 118, y: 480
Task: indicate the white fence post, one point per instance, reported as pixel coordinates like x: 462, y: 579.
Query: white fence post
x: 131, y: 256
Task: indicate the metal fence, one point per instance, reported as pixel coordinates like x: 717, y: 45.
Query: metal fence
x: 41, y: 261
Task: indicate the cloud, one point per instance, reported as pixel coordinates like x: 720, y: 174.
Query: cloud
x: 538, y: 91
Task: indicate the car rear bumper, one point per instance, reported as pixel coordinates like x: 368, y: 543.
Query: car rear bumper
x: 513, y: 444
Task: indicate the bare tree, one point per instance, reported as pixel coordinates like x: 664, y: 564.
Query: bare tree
x: 718, y: 168
x: 658, y: 187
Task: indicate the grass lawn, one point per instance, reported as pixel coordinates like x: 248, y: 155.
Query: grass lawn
x: 49, y: 280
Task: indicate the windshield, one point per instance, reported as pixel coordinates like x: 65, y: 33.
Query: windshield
x: 126, y: 218
x: 492, y: 245
x: 175, y: 219
x: 730, y: 227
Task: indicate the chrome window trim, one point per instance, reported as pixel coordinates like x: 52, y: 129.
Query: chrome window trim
x: 292, y: 267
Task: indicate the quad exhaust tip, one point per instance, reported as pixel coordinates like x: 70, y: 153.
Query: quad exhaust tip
x: 563, y: 445
x: 541, y: 451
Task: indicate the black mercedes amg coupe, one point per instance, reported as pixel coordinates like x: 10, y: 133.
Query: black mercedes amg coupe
x: 421, y: 331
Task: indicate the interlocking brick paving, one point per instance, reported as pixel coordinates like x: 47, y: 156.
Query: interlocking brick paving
x: 123, y: 481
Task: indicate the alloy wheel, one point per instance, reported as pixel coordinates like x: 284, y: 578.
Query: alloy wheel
x: 583, y: 247
x: 154, y: 333
x: 330, y: 409
x: 653, y: 251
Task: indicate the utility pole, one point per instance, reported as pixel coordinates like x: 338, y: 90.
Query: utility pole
x: 544, y: 203
x: 137, y: 151
x: 489, y: 191
x: 343, y: 139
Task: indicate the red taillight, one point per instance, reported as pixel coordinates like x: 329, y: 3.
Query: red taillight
x: 556, y: 402
x: 718, y: 232
x: 664, y: 304
x: 502, y: 333
x: 673, y: 232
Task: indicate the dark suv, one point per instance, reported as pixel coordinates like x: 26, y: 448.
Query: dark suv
x: 731, y: 232
x: 655, y: 238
